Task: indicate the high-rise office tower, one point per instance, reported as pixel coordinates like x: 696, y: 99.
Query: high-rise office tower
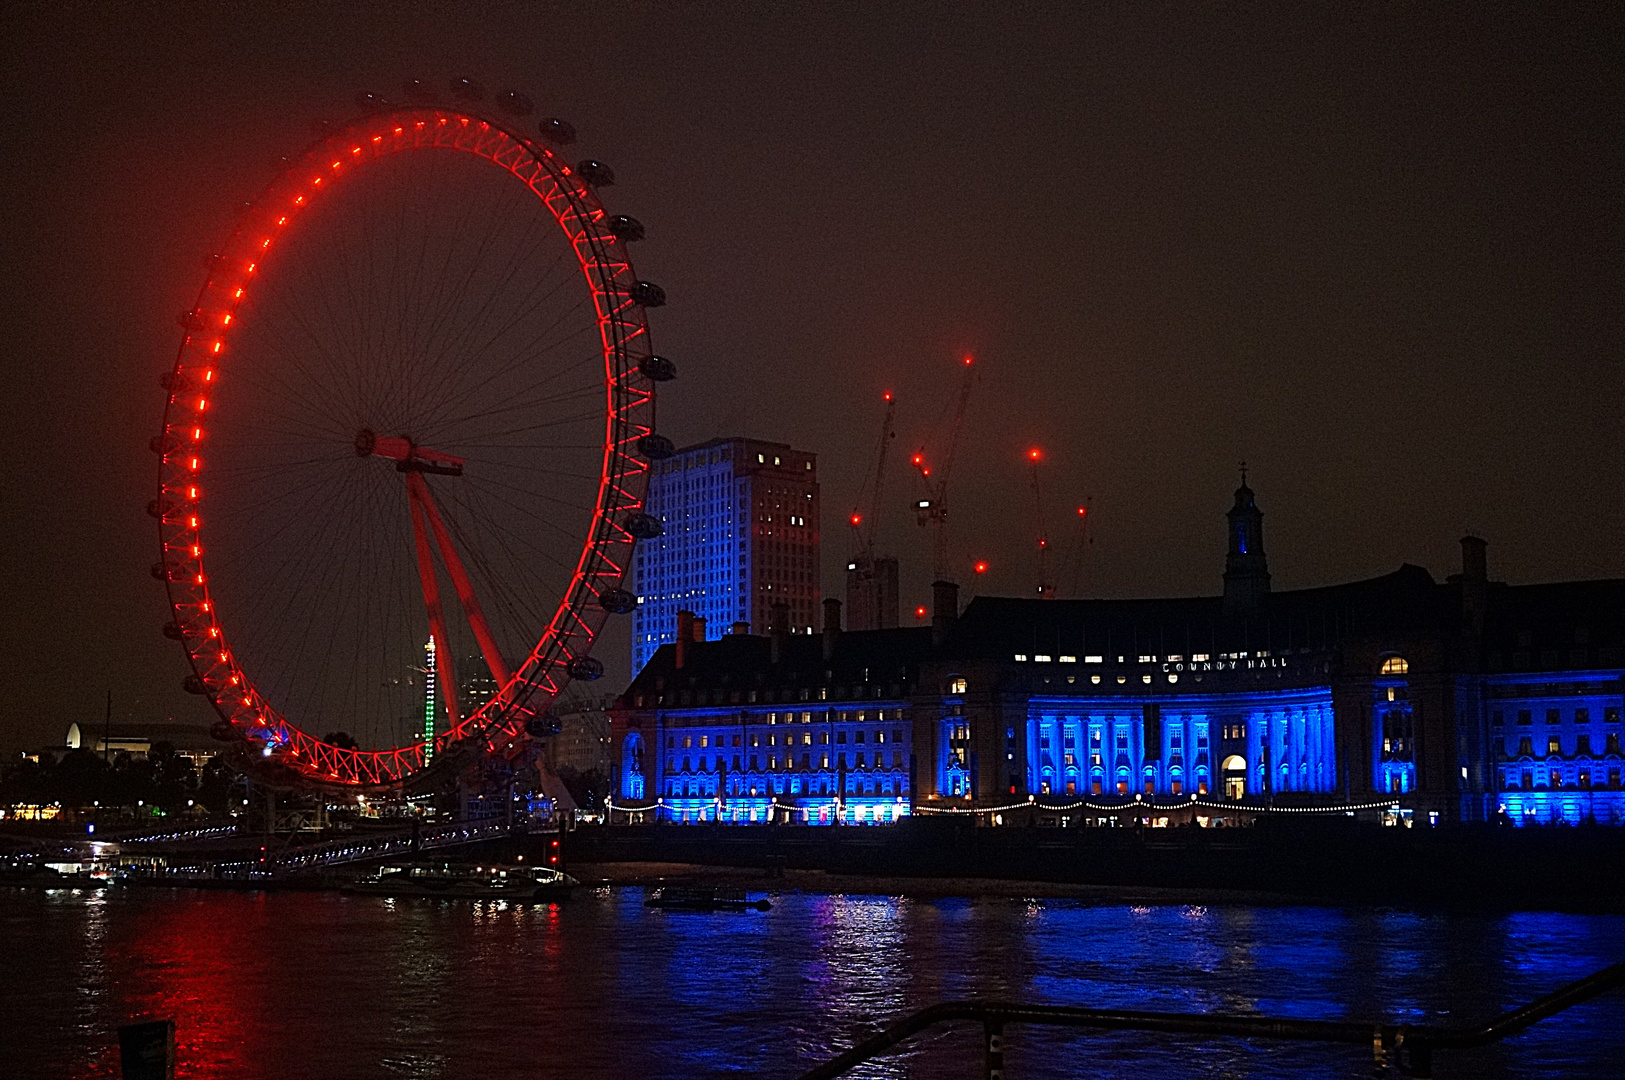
x: 741, y: 534
x: 871, y: 592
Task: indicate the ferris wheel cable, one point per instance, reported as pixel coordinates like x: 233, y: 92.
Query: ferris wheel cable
x: 539, y: 496
x: 516, y: 404
x: 462, y: 345
x: 529, y: 356
x: 512, y: 600
x: 491, y: 522
x: 532, y: 350
x: 274, y: 681
x: 261, y: 377
x: 577, y: 419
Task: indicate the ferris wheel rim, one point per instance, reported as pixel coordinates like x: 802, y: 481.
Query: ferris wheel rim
x: 286, y: 752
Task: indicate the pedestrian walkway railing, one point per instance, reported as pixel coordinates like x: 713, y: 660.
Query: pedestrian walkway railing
x: 1406, y: 1048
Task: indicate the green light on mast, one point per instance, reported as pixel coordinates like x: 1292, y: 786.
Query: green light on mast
x: 428, y: 701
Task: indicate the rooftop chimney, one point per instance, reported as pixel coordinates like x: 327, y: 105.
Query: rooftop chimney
x: 832, y: 626
x: 1475, y: 563
x: 944, y: 609
x: 739, y: 628
x: 699, y: 628
x: 778, y: 630
x: 1475, y: 584
x: 685, y: 634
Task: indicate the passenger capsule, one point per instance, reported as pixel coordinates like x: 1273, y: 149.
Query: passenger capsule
x: 539, y: 727
x: 648, y: 294
x: 194, y: 685
x: 617, y: 601
x: 656, y: 447
x: 515, y: 103
x: 367, y: 101
x: 558, y: 132
x: 223, y: 731
x: 419, y: 91
x: 625, y: 229
x: 657, y: 369
x: 644, y: 526
x: 586, y: 669
x: 595, y: 172
x: 467, y: 89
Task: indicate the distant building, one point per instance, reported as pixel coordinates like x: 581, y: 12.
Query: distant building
x: 741, y: 534
x: 871, y: 593
x: 1468, y: 700
x: 583, y: 739
x: 189, y: 740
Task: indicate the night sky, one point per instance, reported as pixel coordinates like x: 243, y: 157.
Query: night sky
x: 1376, y: 254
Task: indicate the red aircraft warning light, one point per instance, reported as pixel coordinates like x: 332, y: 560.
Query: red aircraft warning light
x: 919, y: 612
x: 981, y: 567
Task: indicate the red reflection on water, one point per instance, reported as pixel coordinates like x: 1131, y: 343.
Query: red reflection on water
x: 188, y: 960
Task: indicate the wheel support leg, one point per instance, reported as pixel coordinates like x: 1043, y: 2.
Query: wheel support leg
x: 460, y: 582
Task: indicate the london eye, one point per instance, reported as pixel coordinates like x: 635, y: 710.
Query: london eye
x: 405, y: 445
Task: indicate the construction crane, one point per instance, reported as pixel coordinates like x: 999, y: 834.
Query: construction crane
x: 1045, y: 587
x: 871, y: 582
x: 866, y: 529
x: 932, y: 510
x: 1072, y: 567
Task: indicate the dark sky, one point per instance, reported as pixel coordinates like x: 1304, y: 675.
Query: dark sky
x: 1377, y: 254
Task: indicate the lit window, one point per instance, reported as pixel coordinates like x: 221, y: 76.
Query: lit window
x: 957, y: 686
x: 1021, y: 657
x: 1069, y: 659
x: 1395, y: 665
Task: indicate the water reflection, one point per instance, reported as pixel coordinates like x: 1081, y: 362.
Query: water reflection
x: 324, y: 985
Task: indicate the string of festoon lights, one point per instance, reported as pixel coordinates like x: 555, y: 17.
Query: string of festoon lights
x: 1142, y: 804
x: 1139, y: 804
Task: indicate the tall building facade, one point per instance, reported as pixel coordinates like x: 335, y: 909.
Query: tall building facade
x: 1462, y: 700
x: 741, y: 535
x: 871, y: 592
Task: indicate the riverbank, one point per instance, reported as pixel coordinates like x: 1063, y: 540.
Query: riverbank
x: 658, y: 874
x: 1319, y: 862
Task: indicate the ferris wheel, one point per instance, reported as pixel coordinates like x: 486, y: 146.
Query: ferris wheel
x: 422, y: 360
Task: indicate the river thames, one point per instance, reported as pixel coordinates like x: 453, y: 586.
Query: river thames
x: 325, y: 985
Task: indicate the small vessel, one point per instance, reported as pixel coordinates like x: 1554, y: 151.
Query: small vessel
x: 704, y: 898
x: 466, y: 881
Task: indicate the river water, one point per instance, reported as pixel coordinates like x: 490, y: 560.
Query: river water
x: 324, y: 985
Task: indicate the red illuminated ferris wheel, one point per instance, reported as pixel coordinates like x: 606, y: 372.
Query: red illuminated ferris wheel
x: 422, y: 360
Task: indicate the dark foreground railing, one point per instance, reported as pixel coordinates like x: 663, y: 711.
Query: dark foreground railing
x: 1408, y: 1047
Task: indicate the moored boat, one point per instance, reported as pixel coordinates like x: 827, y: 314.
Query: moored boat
x: 466, y: 881
x: 704, y: 898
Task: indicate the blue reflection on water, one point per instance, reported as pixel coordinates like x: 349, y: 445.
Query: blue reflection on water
x: 319, y: 985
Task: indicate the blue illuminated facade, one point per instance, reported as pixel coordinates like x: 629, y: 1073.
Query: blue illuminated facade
x: 1174, y: 745
x: 1555, y: 740
x: 741, y: 534
x: 1427, y: 702
x: 783, y: 728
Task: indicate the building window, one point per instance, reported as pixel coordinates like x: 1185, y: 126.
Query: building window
x: 956, y: 686
x: 1395, y: 665
x: 1554, y: 745
x: 1523, y: 716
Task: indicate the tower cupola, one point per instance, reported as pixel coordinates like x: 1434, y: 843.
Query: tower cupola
x: 1246, y: 570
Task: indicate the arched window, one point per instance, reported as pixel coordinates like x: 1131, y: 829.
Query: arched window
x: 1395, y: 665
x: 956, y: 685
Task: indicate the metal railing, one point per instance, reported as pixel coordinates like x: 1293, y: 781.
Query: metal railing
x: 1407, y: 1047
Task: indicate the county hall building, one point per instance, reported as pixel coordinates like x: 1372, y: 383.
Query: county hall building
x: 1462, y: 700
